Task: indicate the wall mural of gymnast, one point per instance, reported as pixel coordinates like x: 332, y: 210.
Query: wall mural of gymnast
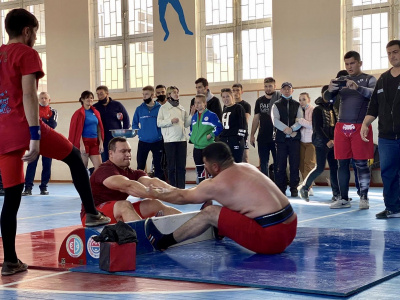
x: 176, y: 4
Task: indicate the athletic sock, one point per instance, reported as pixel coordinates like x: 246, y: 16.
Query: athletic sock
x: 166, y: 241
x: 80, y: 180
x: 12, y: 200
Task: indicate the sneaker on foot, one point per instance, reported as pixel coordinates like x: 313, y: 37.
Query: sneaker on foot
x: 334, y: 198
x: 10, y: 268
x: 96, y: 220
x: 310, y: 192
x: 303, y: 193
x: 387, y: 214
x: 152, y: 233
x: 364, y: 202
x: 341, y: 203
x: 44, y: 192
x: 27, y: 192
x: 294, y: 194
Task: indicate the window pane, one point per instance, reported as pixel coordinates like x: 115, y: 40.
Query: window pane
x: 220, y: 57
x: 38, y: 12
x: 370, y: 36
x: 43, y: 82
x: 111, y: 66
x: 141, y: 64
x: 367, y: 2
x: 218, y: 12
x: 257, y: 53
x: 140, y: 16
x: 109, y: 18
x: 256, y: 9
x: 4, y: 13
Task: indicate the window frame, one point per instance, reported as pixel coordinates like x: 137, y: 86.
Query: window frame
x: 236, y: 27
x: 125, y: 39
x: 391, y: 7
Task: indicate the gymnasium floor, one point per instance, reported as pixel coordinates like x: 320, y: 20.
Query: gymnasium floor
x: 53, y: 217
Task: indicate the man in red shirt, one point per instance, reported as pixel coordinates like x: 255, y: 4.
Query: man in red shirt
x: 114, y: 181
x: 21, y: 131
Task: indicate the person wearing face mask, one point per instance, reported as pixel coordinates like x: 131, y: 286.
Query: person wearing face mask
x: 307, y: 149
x: 113, y: 115
x: 150, y: 137
x: 285, y: 111
x: 49, y: 116
x: 161, y: 94
x: 173, y: 119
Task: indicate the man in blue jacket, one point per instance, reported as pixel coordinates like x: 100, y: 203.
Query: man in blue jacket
x: 150, y: 137
x: 113, y: 115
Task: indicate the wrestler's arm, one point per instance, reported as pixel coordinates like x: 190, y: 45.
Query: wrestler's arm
x: 206, y: 190
x: 124, y: 185
x: 147, y: 181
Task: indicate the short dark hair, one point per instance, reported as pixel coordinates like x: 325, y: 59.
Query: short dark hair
x: 269, y: 80
x: 392, y: 43
x: 342, y: 73
x: 219, y: 153
x: 102, y: 87
x: 111, y: 144
x: 17, y: 19
x: 160, y: 86
x: 353, y: 54
x: 85, y: 95
x: 237, y: 85
x: 324, y: 88
x: 202, y: 80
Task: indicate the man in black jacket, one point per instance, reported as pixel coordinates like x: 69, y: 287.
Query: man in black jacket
x: 285, y: 111
x: 213, y: 103
x: 385, y: 104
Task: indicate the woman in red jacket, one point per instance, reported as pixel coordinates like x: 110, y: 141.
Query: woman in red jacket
x: 86, y: 131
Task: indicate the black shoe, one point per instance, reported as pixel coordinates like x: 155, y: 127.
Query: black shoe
x: 294, y: 194
x: 12, y: 268
x: 387, y: 214
x: 1, y: 192
x: 152, y: 233
x: 96, y: 220
x: 44, y: 192
x: 27, y: 192
x: 303, y: 193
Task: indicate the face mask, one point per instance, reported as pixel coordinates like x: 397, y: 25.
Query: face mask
x: 43, y: 105
x: 161, y: 98
x: 147, y: 101
x: 306, y: 106
x: 283, y: 96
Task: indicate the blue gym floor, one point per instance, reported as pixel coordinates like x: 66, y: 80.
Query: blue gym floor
x: 50, y: 215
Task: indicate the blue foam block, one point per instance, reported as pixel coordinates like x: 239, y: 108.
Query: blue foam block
x: 337, y: 262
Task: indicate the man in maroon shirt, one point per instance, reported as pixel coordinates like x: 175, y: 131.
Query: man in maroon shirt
x: 114, y: 181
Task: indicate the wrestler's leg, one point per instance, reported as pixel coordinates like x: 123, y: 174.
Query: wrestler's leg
x: 192, y: 228
x: 150, y: 207
x: 124, y: 211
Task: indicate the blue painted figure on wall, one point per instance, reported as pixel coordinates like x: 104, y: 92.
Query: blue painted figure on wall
x: 176, y: 4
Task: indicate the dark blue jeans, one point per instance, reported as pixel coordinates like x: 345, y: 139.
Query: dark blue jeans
x: 322, y: 155
x: 289, y: 148
x: 389, y: 155
x: 264, y: 150
x: 156, y: 149
x: 31, y: 170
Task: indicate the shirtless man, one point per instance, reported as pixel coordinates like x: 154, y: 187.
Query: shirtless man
x: 114, y: 181
x: 262, y: 220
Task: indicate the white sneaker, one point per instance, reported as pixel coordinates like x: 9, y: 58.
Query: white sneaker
x: 340, y: 203
x: 364, y: 203
x: 310, y: 192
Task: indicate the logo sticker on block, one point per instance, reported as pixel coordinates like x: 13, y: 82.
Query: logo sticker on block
x: 74, y: 246
x: 93, y: 247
